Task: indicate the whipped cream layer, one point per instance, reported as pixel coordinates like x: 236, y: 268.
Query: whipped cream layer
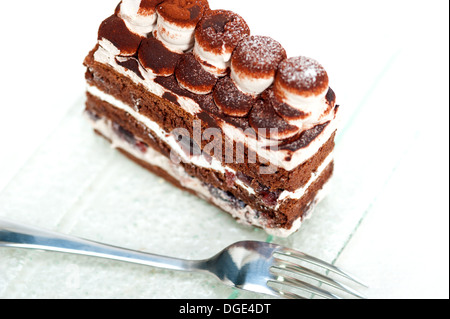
x: 137, y: 20
x: 285, y: 159
x: 249, y: 84
x: 317, y: 109
x: 176, y: 38
x: 216, y: 63
x: 244, y: 214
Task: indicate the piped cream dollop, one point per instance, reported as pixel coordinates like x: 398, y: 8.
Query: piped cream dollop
x: 254, y: 63
x: 139, y: 15
x: 302, y: 85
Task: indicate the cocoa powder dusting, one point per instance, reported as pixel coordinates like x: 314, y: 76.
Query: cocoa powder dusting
x: 302, y: 75
x: 284, y: 110
x: 258, y: 55
x: 263, y: 119
x: 231, y: 100
x: 183, y: 12
x: 114, y: 30
x: 191, y: 75
x: 148, y: 6
x: 220, y: 31
x: 155, y: 56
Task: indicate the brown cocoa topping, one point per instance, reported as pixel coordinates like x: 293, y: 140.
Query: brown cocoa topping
x: 155, y: 56
x: 115, y: 31
x: 258, y: 55
x: 301, y: 75
x: 185, y: 13
x: 193, y: 77
x: 304, y: 139
x: 231, y: 100
x: 331, y: 98
x: 268, y: 124
x: 148, y: 6
x: 221, y: 30
x: 131, y: 64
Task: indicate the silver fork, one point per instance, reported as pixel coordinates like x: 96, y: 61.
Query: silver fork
x: 252, y: 266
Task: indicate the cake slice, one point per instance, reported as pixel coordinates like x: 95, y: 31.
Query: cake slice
x: 190, y: 94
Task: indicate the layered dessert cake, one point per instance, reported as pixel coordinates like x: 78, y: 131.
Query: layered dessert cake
x: 189, y: 93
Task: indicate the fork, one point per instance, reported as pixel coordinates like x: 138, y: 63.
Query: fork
x: 258, y: 267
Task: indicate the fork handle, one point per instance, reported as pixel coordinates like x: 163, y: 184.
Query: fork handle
x: 16, y: 235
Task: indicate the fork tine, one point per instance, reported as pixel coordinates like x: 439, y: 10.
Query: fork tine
x: 315, y: 261
x: 299, y: 270
x: 286, y: 294
x: 294, y: 283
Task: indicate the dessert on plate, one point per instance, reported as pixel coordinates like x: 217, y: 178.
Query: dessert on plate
x: 188, y: 92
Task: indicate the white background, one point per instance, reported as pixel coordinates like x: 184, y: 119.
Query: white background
x: 388, y: 63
